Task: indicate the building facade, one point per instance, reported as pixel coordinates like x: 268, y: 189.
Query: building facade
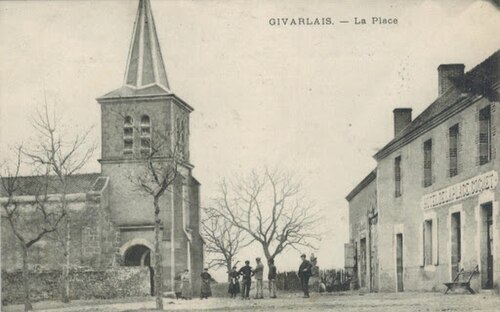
x: 361, y: 254
x: 436, y: 181
x: 141, y: 116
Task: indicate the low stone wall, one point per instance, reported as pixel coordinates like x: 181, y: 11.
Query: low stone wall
x: 84, y: 284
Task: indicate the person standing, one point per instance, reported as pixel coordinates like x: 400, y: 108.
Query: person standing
x: 186, y: 291
x: 246, y: 281
x: 304, y: 274
x: 234, y: 285
x: 271, y: 276
x: 206, y: 278
x: 259, y: 277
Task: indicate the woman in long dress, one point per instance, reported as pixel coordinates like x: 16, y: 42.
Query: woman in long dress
x: 234, y: 285
x: 187, y: 292
x: 205, y: 284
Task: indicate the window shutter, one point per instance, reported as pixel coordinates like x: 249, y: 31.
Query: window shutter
x: 435, y: 241
x: 476, y: 140
x: 349, y: 255
x: 493, y: 130
x: 421, y: 244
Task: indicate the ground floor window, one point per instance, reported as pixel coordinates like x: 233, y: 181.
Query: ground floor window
x: 427, y: 242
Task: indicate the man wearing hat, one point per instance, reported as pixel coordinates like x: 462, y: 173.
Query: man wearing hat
x: 246, y: 281
x: 259, y: 276
x: 304, y: 274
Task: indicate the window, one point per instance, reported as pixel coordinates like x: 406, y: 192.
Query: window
x: 397, y: 176
x: 145, y: 135
x: 453, y: 150
x: 485, y: 135
x: 128, y: 135
x: 428, y: 163
x: 456, y: 240
x: 427, y: 242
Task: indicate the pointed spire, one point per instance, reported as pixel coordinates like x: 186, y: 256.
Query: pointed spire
x: 145, y: 66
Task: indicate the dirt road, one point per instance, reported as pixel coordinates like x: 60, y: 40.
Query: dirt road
x: 344, y: 302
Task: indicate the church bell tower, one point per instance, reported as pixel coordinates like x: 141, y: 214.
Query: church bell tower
x: 141, y: 115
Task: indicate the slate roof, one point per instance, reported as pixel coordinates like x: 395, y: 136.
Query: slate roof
x: 364, y: 183
x: 127, y: 91
x: 145, y: 72
x: 33, y: 185
x: 480, y: 81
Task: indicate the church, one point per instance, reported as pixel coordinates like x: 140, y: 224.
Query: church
x: 112, y: 222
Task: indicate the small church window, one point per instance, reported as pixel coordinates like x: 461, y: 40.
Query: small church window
x: 128, y: 135
x: 145, y: 135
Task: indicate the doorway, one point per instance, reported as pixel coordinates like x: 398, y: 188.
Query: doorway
x: 362, y: 262
x: 399, y: 261
x: 140, y: 255
x: 486, y: 241
x: 456, y: 244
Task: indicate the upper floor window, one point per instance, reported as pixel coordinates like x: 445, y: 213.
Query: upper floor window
x: 453, y: 149
x: 397, y: 176
x: 485, y: 135
x: 145, y: 135
x: 128, y: 135
x: 428, y: 163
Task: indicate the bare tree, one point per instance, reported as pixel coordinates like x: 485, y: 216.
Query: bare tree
x: 64, y: 158
x: 161, y: 154
x: 223, y: 239
x: 271, y: 208
x: 28, y: 225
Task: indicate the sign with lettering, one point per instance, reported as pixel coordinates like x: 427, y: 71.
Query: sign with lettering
x: 462, y: 190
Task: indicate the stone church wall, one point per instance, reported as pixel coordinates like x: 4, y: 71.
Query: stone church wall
x: 93, y: 236
x: 84, y: 284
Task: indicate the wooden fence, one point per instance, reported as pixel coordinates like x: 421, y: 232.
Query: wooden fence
x: 326, y: 280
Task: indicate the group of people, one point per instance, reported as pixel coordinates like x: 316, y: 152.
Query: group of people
x: 247, y: 272
x: 185, y: 291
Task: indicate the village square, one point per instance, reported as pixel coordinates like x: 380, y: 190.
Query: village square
x: 260, y: 183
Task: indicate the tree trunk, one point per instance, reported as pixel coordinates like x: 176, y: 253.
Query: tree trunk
x: 266, y: 252
x: 158, y: 271
x: 229, y: 265
x: 65, y: 271
x: 27, y: 302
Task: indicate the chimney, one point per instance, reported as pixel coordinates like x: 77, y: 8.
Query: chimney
x: 450, y: 75
x: 402, y: 118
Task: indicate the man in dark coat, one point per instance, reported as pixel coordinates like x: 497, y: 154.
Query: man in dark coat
x: 271, y: 276
x: 304, y: 274
x: 246, y: 282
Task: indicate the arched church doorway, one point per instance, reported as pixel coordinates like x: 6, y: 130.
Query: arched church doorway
x: 140, y: 255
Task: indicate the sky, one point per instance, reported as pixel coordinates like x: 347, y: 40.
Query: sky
x: 314, y: 100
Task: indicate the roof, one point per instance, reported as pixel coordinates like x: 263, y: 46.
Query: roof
x: 480, y: 82
x: 127, y: 91
x: 34, y: 185
x: 364, y: 183
x: 145, y: 72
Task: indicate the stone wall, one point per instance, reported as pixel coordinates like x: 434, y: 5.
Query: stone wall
x: 93, y: 235
x: 84, y: 284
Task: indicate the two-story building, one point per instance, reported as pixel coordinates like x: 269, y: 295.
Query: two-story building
x: 436, y: 190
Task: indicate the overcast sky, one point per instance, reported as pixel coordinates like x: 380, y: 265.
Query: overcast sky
x: 316, y: 100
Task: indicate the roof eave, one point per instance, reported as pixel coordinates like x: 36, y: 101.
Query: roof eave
x: 362, y: 185
x: 104, y: 99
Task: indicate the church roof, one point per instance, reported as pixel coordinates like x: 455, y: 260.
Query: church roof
x: 145, y: 73
x: 34, y: 185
